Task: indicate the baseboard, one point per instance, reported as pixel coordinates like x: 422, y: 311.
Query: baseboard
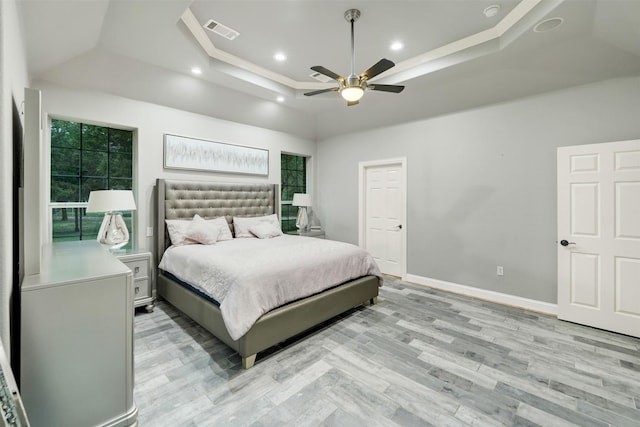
x: 497, y: 297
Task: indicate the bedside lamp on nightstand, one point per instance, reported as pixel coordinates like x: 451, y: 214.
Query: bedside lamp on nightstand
x: 302, y: 201
x: 113, y: 231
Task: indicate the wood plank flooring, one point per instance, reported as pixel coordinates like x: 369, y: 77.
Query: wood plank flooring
x: 419, y: 357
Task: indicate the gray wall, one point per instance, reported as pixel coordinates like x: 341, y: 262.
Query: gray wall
x: 150, y: 122
x: 101, y: 71
x: 13, y: 79
x: 481, y: 183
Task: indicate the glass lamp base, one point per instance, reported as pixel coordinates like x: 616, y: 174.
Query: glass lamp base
x: 113, y: 231
x: 302, y: 222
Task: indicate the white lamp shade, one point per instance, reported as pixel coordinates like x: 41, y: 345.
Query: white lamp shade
x: 301, y: 199
x: 111, y: 201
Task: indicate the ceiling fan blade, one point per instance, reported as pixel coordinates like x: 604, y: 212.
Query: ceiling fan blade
x: 378, y: 68
x: 387, y: 88
x: 320, y: 69
x: 316, y: 92
x: 350, y: 103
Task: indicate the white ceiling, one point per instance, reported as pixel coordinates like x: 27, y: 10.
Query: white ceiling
x: 454, y: 57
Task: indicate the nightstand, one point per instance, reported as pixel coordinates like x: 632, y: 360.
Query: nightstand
x: 139, y: 262
x: 311, y: 233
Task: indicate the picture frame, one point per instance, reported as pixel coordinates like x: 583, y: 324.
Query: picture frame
x: 186, y: 153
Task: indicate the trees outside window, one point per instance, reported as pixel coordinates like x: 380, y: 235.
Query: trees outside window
x: 293, y: 175
x: 84, y: 158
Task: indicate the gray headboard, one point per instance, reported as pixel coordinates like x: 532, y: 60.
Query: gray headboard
x: 183, y: 199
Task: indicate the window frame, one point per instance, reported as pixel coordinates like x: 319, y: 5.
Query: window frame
x: 82, y: 205
x: 285, y: 223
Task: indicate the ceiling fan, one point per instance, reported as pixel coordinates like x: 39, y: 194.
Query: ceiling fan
x: 352, y: 88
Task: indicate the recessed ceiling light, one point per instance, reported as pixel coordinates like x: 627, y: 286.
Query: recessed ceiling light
x: 396, y: 45
x: 196, y: 71
x: 280, y: 57
x: 548, y: 25
x: 280, y: 99
x: 491, y: 11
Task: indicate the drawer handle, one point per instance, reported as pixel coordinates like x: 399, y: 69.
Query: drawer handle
x: 137, y: 289
x: 136, y: 270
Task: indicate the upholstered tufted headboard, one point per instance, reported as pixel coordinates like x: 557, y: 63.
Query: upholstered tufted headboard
x: 183, y: 199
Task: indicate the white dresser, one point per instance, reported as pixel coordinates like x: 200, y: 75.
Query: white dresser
x: 77, y: 339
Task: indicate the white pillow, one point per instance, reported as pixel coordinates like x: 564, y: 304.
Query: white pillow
x: 242, y: 224
x: 178, y: 231
x: 202, y: 231
x: 223, y: 225
x: 265, y: 230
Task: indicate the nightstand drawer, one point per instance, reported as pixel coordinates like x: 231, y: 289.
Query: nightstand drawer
x: 139, y: 267
x: 139, y: 262
x: 141, y: 288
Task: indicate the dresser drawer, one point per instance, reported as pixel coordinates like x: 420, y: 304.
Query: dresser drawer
x: 139, y: 267
x: 141, y: 288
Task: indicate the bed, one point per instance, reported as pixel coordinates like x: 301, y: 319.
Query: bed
x: 182, y: 200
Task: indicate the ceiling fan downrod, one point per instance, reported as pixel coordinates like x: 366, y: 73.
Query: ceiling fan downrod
x: 352, y: 16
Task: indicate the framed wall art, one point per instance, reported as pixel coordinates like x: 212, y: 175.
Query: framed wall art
x: 181, y: 152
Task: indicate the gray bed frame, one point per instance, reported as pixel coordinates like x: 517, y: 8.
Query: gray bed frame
x: 183, y: 199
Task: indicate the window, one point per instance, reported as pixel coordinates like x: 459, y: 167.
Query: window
x: 294, y: 180
x: 85, y: 158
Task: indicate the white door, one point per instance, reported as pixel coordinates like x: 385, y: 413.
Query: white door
x: 599, y: 235
x: 383, y: 228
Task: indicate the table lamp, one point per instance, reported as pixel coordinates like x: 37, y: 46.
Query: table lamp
x: 113, y: 231
x: 302, y: 201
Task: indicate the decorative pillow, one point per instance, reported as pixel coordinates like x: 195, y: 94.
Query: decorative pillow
x: 242, y: 224
x: 223, y: 225
x: 178, y: 231
x: 202, y: 231
x: 265, y: 230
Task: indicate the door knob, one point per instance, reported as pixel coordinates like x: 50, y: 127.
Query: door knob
x: 566, y: 243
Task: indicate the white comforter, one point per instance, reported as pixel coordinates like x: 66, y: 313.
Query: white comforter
x: 250, y: 277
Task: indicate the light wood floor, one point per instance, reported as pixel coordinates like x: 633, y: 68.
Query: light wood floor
x: 419, y: 357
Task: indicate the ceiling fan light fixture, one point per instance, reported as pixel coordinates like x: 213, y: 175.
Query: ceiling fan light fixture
x: 352, y: 94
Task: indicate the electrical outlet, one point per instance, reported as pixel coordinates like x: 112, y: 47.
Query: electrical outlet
x: 500, y: 271
x: 149, y: 231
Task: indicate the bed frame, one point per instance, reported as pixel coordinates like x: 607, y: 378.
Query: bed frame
x: 183, y: 199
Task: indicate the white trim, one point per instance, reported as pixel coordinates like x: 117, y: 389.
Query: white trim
x: 496, y: 38
x: 47, y: 220
x: 54, y: 205
x: 497, y: 297
x: 362, y: 166
x: 32, y: 189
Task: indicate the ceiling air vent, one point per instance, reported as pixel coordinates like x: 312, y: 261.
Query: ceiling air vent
x: 221, y: 30
x: 321, y: 77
